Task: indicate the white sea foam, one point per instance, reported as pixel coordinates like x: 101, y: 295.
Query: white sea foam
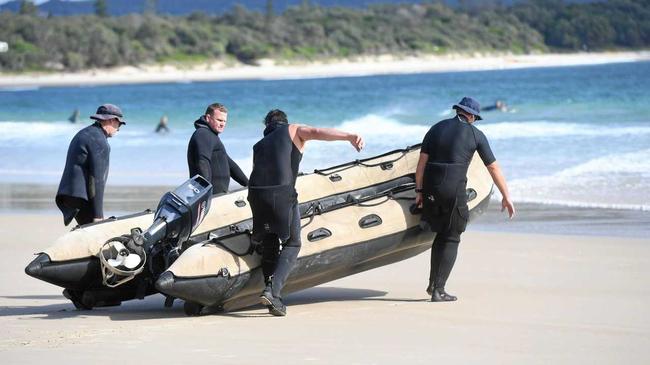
x: 581, y: 204
x: 13, y: 134
x: 618, y: 163
x: 445, y: 113
x: 30, y: 172
x: 378, y: 125
x: 544, y: 129
x: 19, y: 88
x: 619, y: 181
x: 373, y: 125
x: 370, y: 125
x: 26, y: 132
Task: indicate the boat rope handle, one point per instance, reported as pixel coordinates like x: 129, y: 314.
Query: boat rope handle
x: 362, y: 163
x: 251, y: 249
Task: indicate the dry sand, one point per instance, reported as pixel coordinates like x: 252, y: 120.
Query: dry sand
x: 268, y: 69
x: 524, y: 299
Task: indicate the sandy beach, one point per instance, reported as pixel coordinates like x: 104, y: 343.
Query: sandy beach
x: 524, y: 298
x: 268, y: 69
x: 557, y: 285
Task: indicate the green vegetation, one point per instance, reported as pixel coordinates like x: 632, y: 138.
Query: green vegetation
x: 310, y: 32
x: 100, y: 8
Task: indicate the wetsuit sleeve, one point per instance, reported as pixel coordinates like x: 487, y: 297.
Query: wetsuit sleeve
x: 483, y: 148
x: 203, y: 156
x: 98, y: 160
x: 236, y: 173
x: 426, y: 142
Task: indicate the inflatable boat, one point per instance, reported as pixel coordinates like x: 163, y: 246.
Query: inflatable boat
x: 355, y: 217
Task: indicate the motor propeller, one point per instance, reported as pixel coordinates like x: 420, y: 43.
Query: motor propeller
x: 124, y: 257
x: 179, y: 213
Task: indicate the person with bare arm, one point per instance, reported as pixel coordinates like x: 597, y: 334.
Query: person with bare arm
x: 274, y: 200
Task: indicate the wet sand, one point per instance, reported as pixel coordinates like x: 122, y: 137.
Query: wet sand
x: 531, y: 217
x: 523, y: 298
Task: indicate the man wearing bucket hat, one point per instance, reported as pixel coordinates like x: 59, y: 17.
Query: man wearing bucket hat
x: 81, y: 191
x: 441, y: 181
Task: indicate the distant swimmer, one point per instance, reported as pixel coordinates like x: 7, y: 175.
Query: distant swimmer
x: 206, y: 154
x: 498, y: 105
x: 274, y: 200
x: 81, y: 191
x: 441, y: 182
x: 162, y: 125
x: 74, y: 118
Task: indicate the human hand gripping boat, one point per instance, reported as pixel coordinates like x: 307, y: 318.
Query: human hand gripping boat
x: 355, y: 217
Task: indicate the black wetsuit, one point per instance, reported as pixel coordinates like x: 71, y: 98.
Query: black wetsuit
x: 274, y: 203
x: 81, y: 190
x: 450, y: 144
x: 206, y: 156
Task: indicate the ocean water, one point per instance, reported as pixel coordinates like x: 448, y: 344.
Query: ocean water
x: 576, y: 136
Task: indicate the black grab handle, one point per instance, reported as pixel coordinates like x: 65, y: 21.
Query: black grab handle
x: 370, y: 220
x: 386, y: 165
x: 335, y: 177
x: 319, y: 234
x: 471, y: 194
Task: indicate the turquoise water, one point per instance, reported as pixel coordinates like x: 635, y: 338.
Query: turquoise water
x: 574, y: 135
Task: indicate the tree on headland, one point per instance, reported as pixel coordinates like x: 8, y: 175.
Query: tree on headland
x: 268, y: 15
x: 27, y: 7
x: 101, y: 8
x: 269, y: 9
x: 150, y: 7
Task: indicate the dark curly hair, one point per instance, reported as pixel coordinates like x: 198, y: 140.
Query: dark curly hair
x: 275, y: 116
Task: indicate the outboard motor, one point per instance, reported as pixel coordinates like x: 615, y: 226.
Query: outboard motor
x: 177, y: 216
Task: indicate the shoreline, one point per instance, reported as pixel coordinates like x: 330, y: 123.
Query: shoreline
x: 531, y: 218
x: 271, y: 70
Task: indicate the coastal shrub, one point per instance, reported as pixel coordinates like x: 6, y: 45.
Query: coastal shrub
x: 246, y: 47
x: 313, y: 32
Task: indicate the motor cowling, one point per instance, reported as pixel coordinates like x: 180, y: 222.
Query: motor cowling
x: 178, y: 214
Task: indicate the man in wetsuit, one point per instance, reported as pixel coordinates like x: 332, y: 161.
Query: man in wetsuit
x: 441, y: 181
x: 274, y: 200
x: 81, y: 190
x: 206, y: 154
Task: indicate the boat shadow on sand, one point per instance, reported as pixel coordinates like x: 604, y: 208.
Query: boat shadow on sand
x: 152, y: 306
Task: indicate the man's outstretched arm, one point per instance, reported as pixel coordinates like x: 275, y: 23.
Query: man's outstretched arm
x: 306, y: 133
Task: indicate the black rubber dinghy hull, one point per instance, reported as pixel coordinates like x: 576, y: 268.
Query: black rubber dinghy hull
x: 229, y: 291
x: 338, y: 197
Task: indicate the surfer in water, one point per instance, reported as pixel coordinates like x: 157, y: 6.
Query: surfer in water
x: 74, y: 117
x: 162, y: 126
x: 274, y: 200
x: 441, y: 181
x: 499, y: 105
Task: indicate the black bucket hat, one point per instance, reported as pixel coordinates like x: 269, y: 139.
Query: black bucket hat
x: 108, y: 111
x: 471, y: 106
